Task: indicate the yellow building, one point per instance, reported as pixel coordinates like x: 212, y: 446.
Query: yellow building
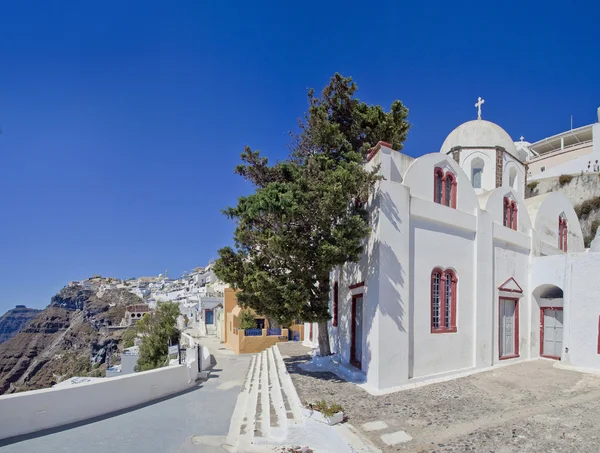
x: 248, y: 341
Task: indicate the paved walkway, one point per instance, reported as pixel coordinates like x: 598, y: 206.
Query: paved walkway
x: 525, y: 407
x: 196, y: 421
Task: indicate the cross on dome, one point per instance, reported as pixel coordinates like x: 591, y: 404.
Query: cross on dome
x: 478, y: 104
x: 521, y: 138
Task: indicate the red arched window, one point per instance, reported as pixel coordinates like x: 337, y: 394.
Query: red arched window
x: 443, y: 301
x: 563, y: 233
x: 509, y: 214
x: 513, y: 210
x: 450, y: 190
x: 444, y: 188
x: 438, y: 185
x: 334, y: 323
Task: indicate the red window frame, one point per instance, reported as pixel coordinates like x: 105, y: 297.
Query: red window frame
x: 334, y: 322
x: 598, y: 334
x: 353, y: 361
x: 509, y: 214
x: 563, y: 233
x: 444, y: 187
x: 513, y: 208
x: 446, y: 302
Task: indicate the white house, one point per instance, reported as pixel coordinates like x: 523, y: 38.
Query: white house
x: 573, y: 151
x: 461, y: 272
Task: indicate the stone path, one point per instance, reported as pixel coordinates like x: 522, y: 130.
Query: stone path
x: 526, y: 407
x: 196, y: 421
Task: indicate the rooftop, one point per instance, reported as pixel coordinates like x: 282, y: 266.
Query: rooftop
x: 563, y: 140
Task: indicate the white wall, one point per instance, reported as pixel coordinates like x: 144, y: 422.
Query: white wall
x: 582, y: 309
x: 27, y: 412
x: 511, y: 261
x: 488, y: 179
x: 510, y: 163
x: 544, y: 211
x: 420, y: 175
x: 442, y: 246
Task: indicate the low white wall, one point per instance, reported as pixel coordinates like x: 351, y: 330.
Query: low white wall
x: 204, y: 358
x: 27, y: 412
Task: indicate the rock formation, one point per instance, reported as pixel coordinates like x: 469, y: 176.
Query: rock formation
x: 71, y: 337
x: 14, y: 320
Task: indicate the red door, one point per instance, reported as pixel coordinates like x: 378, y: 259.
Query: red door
x: 356, y: 331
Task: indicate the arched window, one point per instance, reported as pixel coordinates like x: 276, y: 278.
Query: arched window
x: 476, y: 172
x: 444, y: 188
x: 334, y: 323
x: 443, y: 301
x: 450, y: 190
x: 438, y: 185
x: 513, y: 210
x: 512, y: 177
x: 509, y: 214
x: 563, y: 233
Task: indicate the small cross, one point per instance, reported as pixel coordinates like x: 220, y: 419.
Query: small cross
x: 478, y: 104
x: 522, y: 138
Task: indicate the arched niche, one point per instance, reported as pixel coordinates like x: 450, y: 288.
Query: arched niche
x: 477, y: 165
x: 512, y: 177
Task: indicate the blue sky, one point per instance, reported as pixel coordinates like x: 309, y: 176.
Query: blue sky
x: 122, y: 121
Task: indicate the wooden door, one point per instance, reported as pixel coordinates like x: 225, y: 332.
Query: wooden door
x: 509, y: 328
x: 356, y: 331
x: 551, y: 332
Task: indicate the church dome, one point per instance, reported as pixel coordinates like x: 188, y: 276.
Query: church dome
x: 479, y: 133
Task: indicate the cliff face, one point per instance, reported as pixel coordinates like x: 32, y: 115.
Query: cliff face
x: 70, y: 337
x: 14, y: 320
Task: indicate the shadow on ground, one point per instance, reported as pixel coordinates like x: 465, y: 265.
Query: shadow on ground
x: 58, y: 429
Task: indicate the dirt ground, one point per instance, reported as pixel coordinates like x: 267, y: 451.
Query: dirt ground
x: 526, y: 407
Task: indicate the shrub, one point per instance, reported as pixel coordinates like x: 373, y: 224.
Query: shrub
x: 564, y: 179
x: 323, y: 408
x: 583, y: 210
x: 532, y: 185
x: 247, y: 320
x: 129, y: 337
x: 587, y: 240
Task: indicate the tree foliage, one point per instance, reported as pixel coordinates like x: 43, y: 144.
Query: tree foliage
x: 247, y: 320
x: 129, y: 337
x: 307, y: 214
x: 157, y: 329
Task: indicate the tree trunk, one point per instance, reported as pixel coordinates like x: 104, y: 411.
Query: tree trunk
x: 324, y: 348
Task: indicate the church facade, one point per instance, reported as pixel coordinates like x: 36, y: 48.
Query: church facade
x: 461, y: 272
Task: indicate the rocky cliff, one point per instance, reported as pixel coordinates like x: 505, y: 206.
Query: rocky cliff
x: 70, y: 337
x: 14, y: 320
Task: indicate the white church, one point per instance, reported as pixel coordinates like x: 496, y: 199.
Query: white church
x: 461, y: 272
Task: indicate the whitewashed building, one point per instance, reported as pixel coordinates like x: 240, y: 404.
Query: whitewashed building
x: 461, y: 272
x: 572, y: 151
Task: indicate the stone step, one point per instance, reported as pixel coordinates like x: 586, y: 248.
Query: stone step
x: 240, y: 413
x: 291, y: 398
x: 267, y: 406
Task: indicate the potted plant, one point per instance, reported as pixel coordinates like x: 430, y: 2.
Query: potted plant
x: 324, y: 413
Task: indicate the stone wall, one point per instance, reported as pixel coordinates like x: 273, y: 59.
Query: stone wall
x: 582, y: 187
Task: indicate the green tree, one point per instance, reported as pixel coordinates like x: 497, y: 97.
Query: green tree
x: 129, y: 337
x: 308, y: 213
x: 247, y: 320
x: 157, y: 329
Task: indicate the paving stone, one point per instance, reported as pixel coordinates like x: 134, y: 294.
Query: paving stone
x: 375, y: 426
x: 399, y: 437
